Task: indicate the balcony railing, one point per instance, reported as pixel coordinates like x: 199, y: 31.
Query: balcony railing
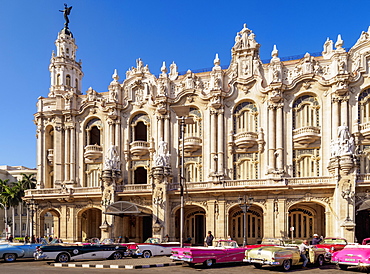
x: 134, y: 188
x: 139, y: 148
x: 306, y: 135
x: 260, y: 183
x: 93, y: 152
x: 62, y: 191
x: 245, y: 140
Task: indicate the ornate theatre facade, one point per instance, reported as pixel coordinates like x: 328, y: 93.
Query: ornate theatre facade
x: 293, y: 135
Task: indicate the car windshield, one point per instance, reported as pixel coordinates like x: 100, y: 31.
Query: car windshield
x: 271, y: 242
x: 227, y: 244
x: 152, y: 241
x: 334, y: 241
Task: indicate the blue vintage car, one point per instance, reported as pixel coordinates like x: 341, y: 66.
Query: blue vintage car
x: 10, y: 252
x: 63, y: 253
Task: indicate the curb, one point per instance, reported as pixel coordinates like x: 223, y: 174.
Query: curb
x: 113, y: 266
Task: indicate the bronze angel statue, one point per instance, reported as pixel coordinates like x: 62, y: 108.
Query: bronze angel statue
x: 66, y: 12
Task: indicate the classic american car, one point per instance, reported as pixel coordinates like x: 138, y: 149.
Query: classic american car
x: 64, y: 253
x: 353, y: 255
x: 10, y: 252
x: 332, y: 245
x: 224, y: 251
x: 132, y: 248
x: 154, y: 247
x: 282, y: 256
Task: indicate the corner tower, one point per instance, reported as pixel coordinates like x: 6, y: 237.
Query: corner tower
x: 65, y: 72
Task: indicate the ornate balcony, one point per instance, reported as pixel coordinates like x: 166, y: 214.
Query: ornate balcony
x: 93, y: 152
x: 306, y: 135
x: 139, y: 148
x: 245, y: 140
x: 364, y: 128
x: 191, y: 144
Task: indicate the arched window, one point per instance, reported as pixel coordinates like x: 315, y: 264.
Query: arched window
x: 364, y: 106
x: 140, y: 176
x: 245, y: 118
x: 245, y: 166
x: 68, y: 80
x: 192, y: 172
x: 93, y: 129
x: 139, y: 126
x: 195, y: 129
x: 306, y: 163
x: 306, y: 112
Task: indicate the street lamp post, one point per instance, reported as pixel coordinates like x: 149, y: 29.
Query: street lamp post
x: 245, y: 203
x: 6, y: 220
x: 32, y: 207
x: 182, y: 113
x: 348, y: 196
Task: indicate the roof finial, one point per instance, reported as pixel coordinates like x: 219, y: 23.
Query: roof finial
x: 115, y: 75
x: 217, y: 61
x: 274, y: 52
x: 339, y: 42
x: 164, y: 68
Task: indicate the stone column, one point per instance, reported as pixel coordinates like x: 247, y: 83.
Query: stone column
x: 67, y: 154
x: 344, y: 111
x: 335, y: 117
x: 269, y: 219
x: 220, y: 142
x: 272, y: 138
x: 280, y: 138
x: 213, y: 141
x: 58, y: 152
x: 167, y: 131
x: 73, y: 154
x: 160, y: 126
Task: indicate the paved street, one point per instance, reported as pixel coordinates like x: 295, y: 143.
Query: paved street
x: 29, y: 266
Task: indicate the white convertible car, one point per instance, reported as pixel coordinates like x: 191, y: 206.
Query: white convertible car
x: 153, y: 247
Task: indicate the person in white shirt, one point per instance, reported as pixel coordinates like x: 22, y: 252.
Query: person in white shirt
x: 303, y: 251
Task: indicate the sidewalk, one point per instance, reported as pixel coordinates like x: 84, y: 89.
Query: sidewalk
x: 126, y: 262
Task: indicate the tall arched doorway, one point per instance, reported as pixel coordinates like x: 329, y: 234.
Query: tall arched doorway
x: 90, y: 221
x: 194, y: 224
x: 306, y: 219
x: 254, y: 229
x: 362, y: 221
x: 49, y: 223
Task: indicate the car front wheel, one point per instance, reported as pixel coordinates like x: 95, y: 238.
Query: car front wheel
x: 116, y: 255
x: 257, y: 265
x: 208, y: 263
x: 10, y: 257
x: 320, y: 260
x: 63, y: 258
x: 147, y: 254
x: 286, y: 265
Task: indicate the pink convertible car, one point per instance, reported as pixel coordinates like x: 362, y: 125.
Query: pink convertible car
x: 225, y: 251
x: 353, y: 255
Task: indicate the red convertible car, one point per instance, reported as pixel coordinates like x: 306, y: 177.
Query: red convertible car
x: 332, y: 245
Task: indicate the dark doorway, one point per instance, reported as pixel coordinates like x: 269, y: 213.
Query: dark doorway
x: 147, y: 227
x: 140, y: 132
x: 362, y: 225
x: 140, y: 176
x: 199, y: 229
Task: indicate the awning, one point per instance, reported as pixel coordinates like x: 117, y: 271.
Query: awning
x: 126, y: 208
x: 364, y: 206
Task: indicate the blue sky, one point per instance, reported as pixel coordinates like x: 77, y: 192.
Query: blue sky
x: 112, y: 34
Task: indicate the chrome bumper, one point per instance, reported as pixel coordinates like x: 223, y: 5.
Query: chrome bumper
x: 189, y: 260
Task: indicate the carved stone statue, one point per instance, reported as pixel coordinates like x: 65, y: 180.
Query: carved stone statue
x: 161, y: 159
x: 66, y: 12
x: 112, y: 160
